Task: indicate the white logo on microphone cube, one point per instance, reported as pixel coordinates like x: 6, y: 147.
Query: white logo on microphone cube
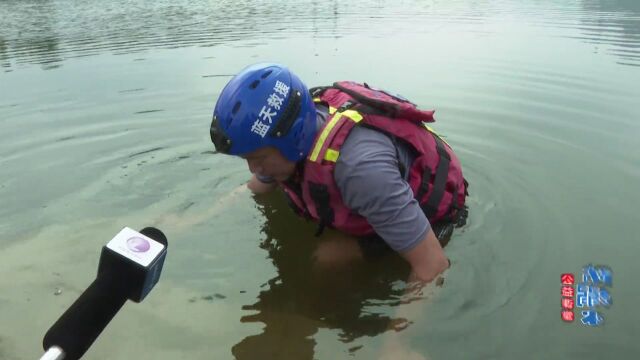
x: 135, y: 246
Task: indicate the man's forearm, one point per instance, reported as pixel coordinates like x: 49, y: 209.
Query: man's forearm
x: 427, y: 259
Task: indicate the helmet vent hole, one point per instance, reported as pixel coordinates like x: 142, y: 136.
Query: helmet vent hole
x: 266, y: 74
x: 254, y: 84
x: 236, y: 107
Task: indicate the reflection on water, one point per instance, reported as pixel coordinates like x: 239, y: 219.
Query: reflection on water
x: 44, y: 32
x: 3, y: 54
x: 47, y: 32
x: 299, y: 301
x: 614, y: 22
x: 355, y: 301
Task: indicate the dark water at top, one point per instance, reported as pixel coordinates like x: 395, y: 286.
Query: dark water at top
x: 104, y: 110
x: 48, y: 32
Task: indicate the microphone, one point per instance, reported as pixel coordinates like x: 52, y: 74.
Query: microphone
x: 130, y: 265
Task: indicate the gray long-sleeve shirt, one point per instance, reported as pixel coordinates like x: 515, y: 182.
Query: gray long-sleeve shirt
x: 368, y: 176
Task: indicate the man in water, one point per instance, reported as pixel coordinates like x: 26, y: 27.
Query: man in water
x: 350, y: 157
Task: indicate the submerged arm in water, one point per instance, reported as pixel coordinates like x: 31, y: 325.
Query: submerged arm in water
x: 427, y: 261
x: 181, y: 221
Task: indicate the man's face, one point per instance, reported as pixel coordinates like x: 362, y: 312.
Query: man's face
x: 270, y: 162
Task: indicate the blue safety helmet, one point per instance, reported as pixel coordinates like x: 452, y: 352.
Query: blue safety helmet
x: 264, y: 105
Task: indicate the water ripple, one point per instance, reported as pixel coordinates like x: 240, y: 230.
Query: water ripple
x: 77, y: 30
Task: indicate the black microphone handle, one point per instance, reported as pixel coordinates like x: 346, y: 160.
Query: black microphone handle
x: 81, y: 324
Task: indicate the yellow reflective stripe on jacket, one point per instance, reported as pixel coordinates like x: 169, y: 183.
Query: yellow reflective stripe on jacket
x: 331, y: 108
x: 434, y: 133
x: 332, y: 155
x: 323, y: 136
x: 351, y: 114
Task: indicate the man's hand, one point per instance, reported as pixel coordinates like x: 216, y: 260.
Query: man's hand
x: 427, y: 259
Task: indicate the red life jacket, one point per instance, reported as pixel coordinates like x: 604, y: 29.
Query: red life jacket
x: 435, y: 177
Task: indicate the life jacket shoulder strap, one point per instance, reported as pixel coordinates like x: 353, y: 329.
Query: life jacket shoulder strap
x: 369, y: 100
